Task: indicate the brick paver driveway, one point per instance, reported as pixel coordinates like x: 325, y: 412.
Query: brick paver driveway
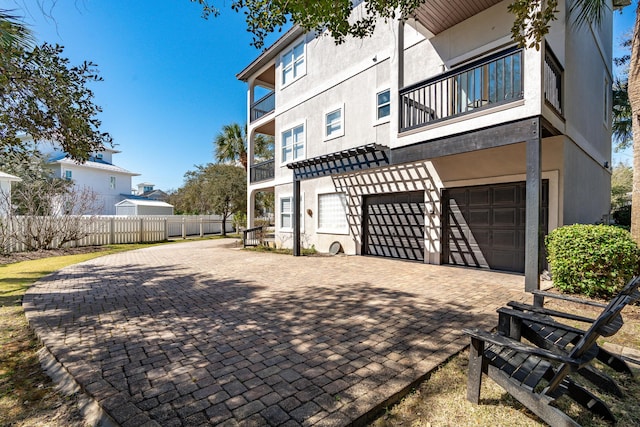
x: 201, y: 333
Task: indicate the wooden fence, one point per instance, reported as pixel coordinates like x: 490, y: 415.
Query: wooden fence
x: 106, y: 230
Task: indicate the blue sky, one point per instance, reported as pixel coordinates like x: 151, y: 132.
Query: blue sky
x: 169, y: 75
x: 622, y: 25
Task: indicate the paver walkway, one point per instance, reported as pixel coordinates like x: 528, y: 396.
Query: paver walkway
x: 199, y: 333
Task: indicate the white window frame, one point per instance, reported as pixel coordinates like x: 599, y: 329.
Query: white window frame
x: 386, y: 118
x: 295, y: 62
x: 68, y: 174
x: 280, y: 213
x: 334, y: 230
x: 292, y: 146
x: 112, y: 182
x: 339, y: 132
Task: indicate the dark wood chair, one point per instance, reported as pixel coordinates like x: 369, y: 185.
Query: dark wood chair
x: 540, y: 326
x: 537, y: 377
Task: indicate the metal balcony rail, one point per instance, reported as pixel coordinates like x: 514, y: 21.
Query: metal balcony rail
x: 263, y: 106
x: 263, y: 171
x: 553, y: 81
x: 482, y: 84
x: 252, y: 236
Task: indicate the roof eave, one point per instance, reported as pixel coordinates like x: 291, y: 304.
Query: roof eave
x: 270, y: 53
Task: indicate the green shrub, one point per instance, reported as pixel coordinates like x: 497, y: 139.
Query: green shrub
x: 593, y: 260
x: 622, y: 216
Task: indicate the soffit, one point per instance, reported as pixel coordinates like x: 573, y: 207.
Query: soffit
x: 440, y: 15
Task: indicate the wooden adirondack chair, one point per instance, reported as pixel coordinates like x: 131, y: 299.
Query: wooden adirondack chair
x: 536, y: 376
x: 539, y: 325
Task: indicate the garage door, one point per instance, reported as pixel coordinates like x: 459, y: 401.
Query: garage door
x: 484, y: 226
x: 394, y: 225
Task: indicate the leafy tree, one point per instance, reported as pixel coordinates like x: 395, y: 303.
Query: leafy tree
x: 231, y: 145
x: 621, y: 185
x: 213, y: 189
x: 42, y: 95
x: 46, y: 212
x: 265, y: 17
x: 30, y: 167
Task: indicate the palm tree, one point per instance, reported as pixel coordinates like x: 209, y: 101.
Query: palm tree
x: 621, y: 119
x: 14, y: 35
x: 231, y: 145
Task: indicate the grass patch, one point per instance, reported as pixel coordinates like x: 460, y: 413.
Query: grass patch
x: 15, y: 278
x: 441, y: 399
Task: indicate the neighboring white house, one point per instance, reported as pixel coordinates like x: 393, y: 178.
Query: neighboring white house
x: 5, y: 191
x: 111, y: 183
x: 436, y: 139
x: 143, y: 207
x: 147, y: 190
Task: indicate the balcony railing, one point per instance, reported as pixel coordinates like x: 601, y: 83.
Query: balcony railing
x: 482, y: 84
x: 552, y: 81
x: 263, y: 171
x: 263, y: 106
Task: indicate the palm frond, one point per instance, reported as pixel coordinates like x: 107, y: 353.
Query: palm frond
x: 584, y: 12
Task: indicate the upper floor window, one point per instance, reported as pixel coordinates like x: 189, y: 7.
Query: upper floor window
x: 99, y: 156
x: 68, y: 175
x: 293, y: 144
x: 293, y: 64
x: 383, y: 104
x: 333, y: 124
x: 112, y: 182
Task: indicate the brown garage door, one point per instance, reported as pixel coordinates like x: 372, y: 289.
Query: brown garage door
x: 394, y: 225
x: 484, y: 226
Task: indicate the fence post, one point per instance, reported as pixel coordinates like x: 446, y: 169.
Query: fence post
x: 166, y: 228
x: 184, y: 229
x: 141, y: 230
x: 201, y: 228
x: 112, y: 231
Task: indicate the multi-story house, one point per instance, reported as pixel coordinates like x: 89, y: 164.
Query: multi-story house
x: 110, y: 183
x: 436, y: 139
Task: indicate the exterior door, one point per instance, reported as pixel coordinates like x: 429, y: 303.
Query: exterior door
x: 394, y: 225
x: 484, y: 226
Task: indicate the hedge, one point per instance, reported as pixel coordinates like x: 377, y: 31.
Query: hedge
x: 593, y: 260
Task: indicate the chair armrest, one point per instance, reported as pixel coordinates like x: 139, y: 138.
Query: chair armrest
x: 520, y: 347
x: 536, y: 318
x: 567, y: 298
x: 548, y: 312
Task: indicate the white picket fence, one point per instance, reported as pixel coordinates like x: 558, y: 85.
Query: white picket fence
x: 106, y: 230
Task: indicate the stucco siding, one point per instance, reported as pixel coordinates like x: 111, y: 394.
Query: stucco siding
x: 587, y: 187
x: 588, y: 88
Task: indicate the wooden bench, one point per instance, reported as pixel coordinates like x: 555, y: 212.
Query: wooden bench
x: 537, y: 377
